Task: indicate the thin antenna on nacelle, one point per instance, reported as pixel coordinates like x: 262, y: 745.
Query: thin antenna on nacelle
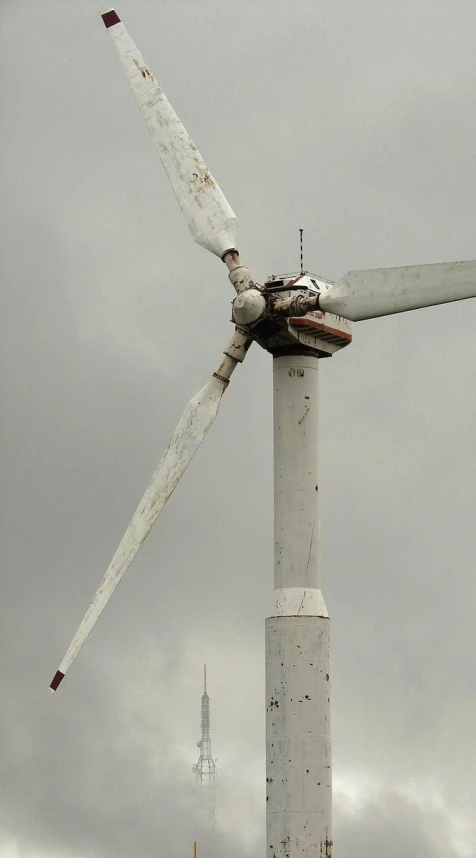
x: 300, y: 244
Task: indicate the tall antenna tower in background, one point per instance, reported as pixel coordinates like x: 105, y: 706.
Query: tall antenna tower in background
x: 205, y: 769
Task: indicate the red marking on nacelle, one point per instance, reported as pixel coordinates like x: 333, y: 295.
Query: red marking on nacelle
x: 306, y: 322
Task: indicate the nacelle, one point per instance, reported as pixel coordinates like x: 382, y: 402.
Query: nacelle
x: 322, y: 333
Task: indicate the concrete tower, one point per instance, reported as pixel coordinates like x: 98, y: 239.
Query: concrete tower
x: 205, y: 769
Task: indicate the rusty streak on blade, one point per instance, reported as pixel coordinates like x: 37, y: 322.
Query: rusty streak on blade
x: 207, y: 212
x: 189, y: 434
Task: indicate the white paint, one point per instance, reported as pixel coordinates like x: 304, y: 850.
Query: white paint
x: 298, y: 743
x: 383, y: 291
x: 295, y: 472
x: 297, y: 637
x: 248, y: 307
x: 323, y: 331
x: 209, y: 216
x: 239, y: 276
x: 299, y: 602
x: 189, y: 434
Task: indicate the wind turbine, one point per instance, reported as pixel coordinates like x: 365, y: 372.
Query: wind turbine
x: 298, y: 318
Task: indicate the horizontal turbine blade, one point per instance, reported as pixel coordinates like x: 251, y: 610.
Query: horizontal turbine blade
x: 383, y: 291
x: 189, y: 434
x: 209, y: 216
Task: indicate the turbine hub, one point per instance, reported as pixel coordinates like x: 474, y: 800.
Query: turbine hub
x: 249, y: 307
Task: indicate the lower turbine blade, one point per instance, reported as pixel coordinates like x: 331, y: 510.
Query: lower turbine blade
x: 189, y: 434
x: 383, y: 291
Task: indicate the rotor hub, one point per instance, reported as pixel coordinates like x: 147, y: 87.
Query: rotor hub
x: 249, y: 307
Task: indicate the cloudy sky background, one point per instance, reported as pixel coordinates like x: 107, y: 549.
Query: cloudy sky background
x: 356, y: 121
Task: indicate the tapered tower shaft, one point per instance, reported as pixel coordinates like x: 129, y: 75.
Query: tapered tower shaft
x: 298, y: 747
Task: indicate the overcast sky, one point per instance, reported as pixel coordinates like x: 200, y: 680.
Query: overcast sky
x: 357, y: 122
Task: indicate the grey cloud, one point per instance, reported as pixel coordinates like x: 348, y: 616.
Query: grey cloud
x: 84, y: 787
x: 394, y: 825
x: 358, y: 124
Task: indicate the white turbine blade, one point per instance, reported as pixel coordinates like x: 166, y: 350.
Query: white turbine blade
x: 383, y: 291
x: 189, y: 434
x: 209, y: 216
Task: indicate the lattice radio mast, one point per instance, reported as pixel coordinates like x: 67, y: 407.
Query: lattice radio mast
x: 205, y: 769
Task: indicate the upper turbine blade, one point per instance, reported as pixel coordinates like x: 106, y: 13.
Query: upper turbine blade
x: 383, y: 291
x: 209, y: 216
x: 189, y: 434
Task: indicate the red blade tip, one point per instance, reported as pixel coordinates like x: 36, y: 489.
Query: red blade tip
x: 56, y: 680
x: 110, y: 18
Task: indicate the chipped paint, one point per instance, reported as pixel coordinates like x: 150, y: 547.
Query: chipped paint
x: 338, y: 333
x: 209, y: 216
x: 298, y: 602
x: 239, y: 275
x: 249, y: 307
x: 295, y: 471
x: 298, y: 741
x: 383, y: 291
x: 297, y: 634
x: 189, y: 434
